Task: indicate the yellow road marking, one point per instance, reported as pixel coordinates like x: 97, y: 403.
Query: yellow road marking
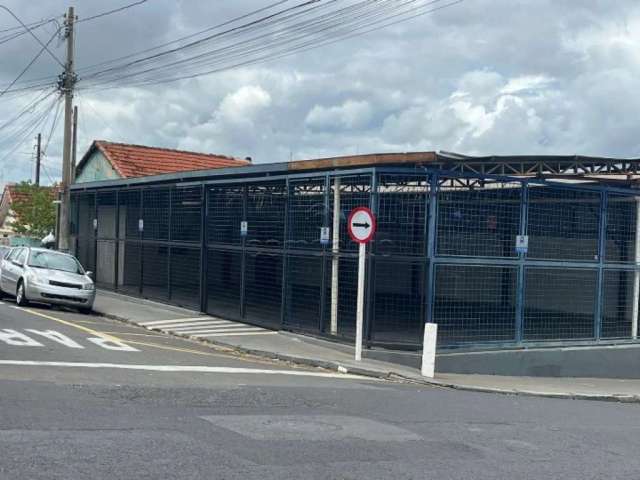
x: 175, y: 349
x: 136, y: 334
x: 111, y: 337
x: 79, y: 327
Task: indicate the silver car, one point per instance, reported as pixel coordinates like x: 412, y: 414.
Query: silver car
x: 46, y: 276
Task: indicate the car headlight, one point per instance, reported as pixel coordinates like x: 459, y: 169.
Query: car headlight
x: 88, y: 286
x: 33, y: 277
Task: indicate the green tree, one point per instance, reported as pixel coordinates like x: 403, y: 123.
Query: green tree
x: 33, y: 210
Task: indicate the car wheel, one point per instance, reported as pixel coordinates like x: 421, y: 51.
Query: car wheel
x: 85, y: 310
x: 21, y: 296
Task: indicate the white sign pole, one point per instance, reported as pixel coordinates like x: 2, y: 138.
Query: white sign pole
x: 429, y: 349
x: 360, y: 308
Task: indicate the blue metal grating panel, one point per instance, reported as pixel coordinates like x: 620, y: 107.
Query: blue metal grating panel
x: 563, y: 224
x: 559, y: 303
x: 475, y: 303
x: 482, y: 221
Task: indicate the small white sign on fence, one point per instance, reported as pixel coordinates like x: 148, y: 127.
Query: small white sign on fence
x: 522, y: 243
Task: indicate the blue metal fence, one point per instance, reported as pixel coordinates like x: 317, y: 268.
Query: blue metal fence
x: 445, y: 251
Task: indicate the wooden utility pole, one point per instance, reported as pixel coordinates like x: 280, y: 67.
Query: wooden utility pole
x: 38, y: 154
x: 68, y: 81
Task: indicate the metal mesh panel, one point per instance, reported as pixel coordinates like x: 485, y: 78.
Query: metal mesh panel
x: 304, y: 292
x: 129, y: 267
x: 475, y: 303
x: 186, y: 214
x: 86, y: 233
x: 155, y: 271
x: 155, y: 213
x: 263, y: 288
x: 559, y: 303
x: 622, y: 214
x: 482, y: 220
x: 306, y: 213
x: 355, y: 191
x: 224, y: 214
x: 224, y: 272
x: 402, y: 216
x: 265, y: 214
x: 617, y: 308
x: 347, y: 296
x: 185, y: 276
x: 398, y: 300
x: 563, y: 223
x: 105, y: 270
x: 129, y: 213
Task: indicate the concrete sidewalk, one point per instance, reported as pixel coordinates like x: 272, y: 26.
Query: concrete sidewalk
x: 310, y: 351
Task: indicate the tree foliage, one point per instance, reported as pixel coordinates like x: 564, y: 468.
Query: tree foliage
x: 33, y: 210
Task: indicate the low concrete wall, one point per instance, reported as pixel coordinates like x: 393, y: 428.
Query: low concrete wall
x: 622, y: 361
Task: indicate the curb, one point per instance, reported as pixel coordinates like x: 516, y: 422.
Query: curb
x: 390, y: 375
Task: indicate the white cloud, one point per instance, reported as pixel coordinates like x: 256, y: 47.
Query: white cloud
x: 549, y: 77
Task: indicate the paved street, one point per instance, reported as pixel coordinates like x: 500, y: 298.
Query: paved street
x: 88, y: 397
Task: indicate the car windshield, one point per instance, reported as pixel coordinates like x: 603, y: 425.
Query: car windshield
x: 55, y: 261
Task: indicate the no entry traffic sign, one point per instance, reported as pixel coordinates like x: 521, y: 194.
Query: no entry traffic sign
x: 361, y: 225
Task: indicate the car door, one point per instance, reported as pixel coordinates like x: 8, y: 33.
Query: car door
x: 6, y: 271
x: 16, y: 270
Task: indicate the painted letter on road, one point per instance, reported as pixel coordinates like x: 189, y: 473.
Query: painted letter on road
x: 56, y: 337
x: 18, y: 339
x: 112, y: 344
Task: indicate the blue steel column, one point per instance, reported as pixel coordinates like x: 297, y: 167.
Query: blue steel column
x: 172, y: 191
x: 243, y: 261
x: 602, y: 239
x: 370, y: 273
x: 116, y: 268
x: 432, y: 212
x: 285, y: 256
x: 323, y: 280
x: 204, y: 252
x: 520, y: 282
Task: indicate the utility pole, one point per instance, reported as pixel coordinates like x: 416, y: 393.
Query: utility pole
x: 38, y: 160
x: 74, y: 149
x: 67, y: 83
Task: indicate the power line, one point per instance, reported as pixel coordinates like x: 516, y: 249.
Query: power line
x: 24, y: 70
x: 115, y: 10
x: 53, y: 127
x: 297, y: 31
x: 28, y: 29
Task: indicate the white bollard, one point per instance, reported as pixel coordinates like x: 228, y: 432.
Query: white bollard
x: 429, y: 349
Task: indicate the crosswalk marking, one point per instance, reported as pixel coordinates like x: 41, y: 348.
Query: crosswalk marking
x: 174, y: 320
x: 204, y: 327
x: 191, y: 324
x: 221, y: 330
x: 208, y: 327
x: 239, y: 334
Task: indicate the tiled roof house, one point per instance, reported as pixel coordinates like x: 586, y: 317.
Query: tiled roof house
x: 109, y: 161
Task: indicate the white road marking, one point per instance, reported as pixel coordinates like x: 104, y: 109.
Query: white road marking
x: 190, y: 324
x: 15, y: 338
x: 266, y: 332
x: 181, y: 368
x: 212, y: 327
x: 221, y: 330
x: 160, y: 322
x: 56, y: 337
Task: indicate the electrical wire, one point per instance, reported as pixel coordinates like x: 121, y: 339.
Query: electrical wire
x: 24, y: 70
x: 110, y: 12
x: 296, y: 31
x: 29, y: 30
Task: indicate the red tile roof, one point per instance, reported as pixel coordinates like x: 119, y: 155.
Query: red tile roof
x: 140, y: 161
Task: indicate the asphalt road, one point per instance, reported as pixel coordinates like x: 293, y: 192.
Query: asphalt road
x: 87, y: 397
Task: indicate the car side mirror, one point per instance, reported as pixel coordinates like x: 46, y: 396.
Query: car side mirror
x: 89, y: 273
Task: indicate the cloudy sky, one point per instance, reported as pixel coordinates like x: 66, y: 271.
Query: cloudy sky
x: 480, y: 77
